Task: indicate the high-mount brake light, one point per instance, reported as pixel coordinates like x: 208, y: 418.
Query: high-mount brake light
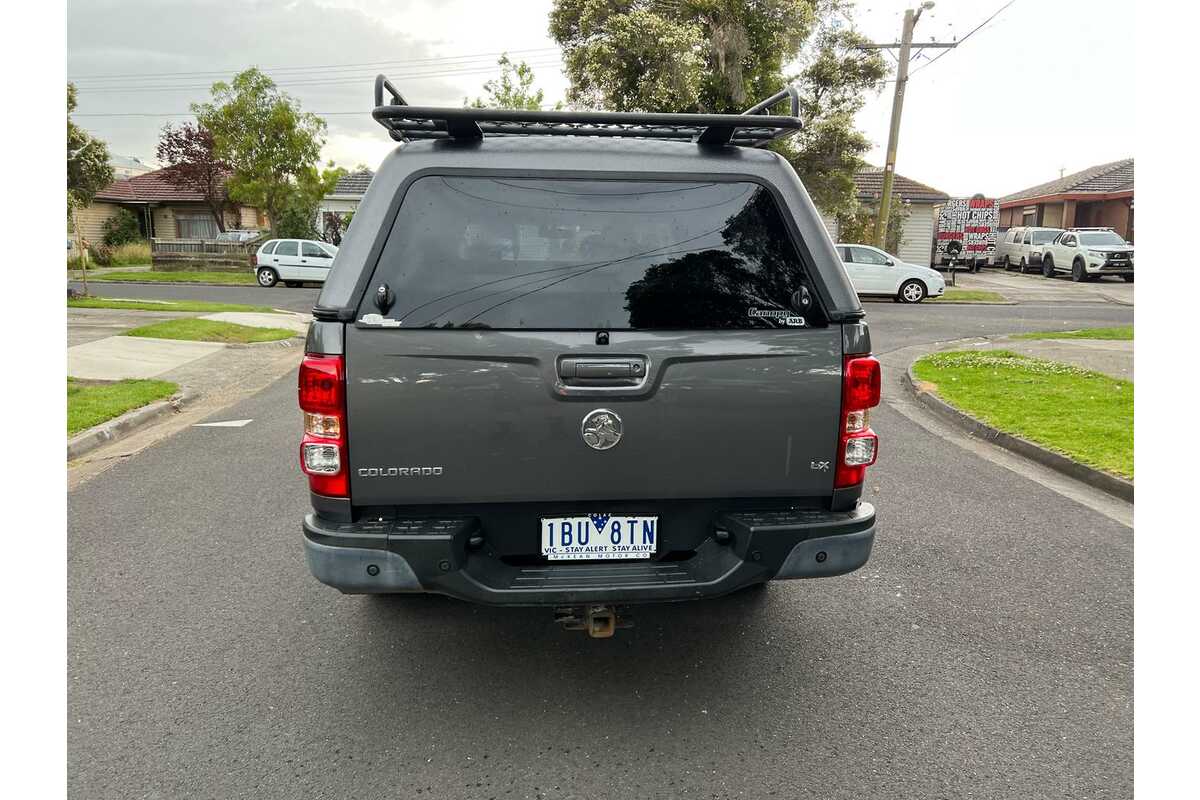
x: 858, y: 446
x: 322, y: 390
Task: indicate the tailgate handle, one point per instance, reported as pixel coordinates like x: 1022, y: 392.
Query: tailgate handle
x: 597, y: 371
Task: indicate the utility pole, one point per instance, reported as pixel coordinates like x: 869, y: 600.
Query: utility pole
x: 889, y: 168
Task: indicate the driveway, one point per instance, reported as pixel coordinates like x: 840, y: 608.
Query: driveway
x: 1035, y: 288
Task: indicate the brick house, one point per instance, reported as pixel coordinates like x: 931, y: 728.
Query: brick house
x: 164, y: 211
x: 1099, y: 196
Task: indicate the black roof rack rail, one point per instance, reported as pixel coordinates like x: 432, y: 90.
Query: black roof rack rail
x: 404, y: 122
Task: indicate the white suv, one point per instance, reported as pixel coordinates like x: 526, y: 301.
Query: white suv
x: 1088, y: 254
x: 1021, y: 248
x: 874, y: 272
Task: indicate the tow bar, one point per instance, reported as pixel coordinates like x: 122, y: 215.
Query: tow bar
x: 600, y: 622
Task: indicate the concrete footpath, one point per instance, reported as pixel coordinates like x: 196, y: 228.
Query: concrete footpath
x: 99, y: 352
x: 1109, y: 357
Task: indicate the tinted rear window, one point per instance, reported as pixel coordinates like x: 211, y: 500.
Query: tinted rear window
x: 269, y: 248
x: 474, y: 252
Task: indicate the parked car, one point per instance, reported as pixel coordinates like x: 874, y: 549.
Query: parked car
x: 875, y: 272
x: 1021, y: 248
x: 1087, y: 254
x: 582, y: 371
x: 238, y: 236
x: 293, y: 261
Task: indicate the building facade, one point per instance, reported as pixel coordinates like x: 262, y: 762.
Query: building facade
x: 922, y: 202
x: 1097, y: 197
x: 164, y: 211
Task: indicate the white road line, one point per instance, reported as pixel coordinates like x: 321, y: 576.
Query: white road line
x: 230, y: 423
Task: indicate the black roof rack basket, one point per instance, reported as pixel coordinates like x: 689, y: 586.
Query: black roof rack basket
x: 752, y: 128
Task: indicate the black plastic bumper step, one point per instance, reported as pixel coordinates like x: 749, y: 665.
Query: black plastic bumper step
x: 809, y: 519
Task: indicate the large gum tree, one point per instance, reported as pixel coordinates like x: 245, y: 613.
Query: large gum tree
x: 721, y: 56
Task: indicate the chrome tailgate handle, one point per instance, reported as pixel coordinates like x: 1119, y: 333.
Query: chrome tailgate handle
x: 602, y: 371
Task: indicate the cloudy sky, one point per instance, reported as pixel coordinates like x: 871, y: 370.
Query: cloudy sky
x: 1026, y: 96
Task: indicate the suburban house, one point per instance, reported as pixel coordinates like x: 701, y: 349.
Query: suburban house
x: 164, y: 211
x: 923, y: 202
x: 1097, y: 197
x: 345, y: 196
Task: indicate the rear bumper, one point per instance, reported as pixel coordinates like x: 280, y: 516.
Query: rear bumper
x: 451, y: 557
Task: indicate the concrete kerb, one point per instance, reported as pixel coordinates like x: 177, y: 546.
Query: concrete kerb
x: 1110, y: 484
x: 83, y: 443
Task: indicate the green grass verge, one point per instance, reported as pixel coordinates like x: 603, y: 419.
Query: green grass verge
x: 1081, y: 414
x: 90, y: 404
x: 229, y: 278
x: 971, y: 296
x: 207, y: 330
x: 1120, y: 333
x: 166, y: 305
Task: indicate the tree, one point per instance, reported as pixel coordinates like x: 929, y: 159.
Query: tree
x: 88, y: 170
x: 192, y: 164
x: 858, y: 225
x: 513, y: 89
x: 271, y: 146
x: 720, y: 56
x: 335, y: 224
x: 298, y: 217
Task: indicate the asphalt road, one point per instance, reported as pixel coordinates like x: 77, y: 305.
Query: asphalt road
x: 984, y: 651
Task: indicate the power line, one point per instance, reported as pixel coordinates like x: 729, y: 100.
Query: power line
x: 143, y: 75
x: 305, y: 81
x: 933, y: 60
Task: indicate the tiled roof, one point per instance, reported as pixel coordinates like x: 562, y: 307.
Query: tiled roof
x: 869, y: 183
x: 1115, y: 176
x: 153, y: 187
x: 354, y: 183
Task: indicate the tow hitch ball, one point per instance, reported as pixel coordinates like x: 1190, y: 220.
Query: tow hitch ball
x: 600, y: 622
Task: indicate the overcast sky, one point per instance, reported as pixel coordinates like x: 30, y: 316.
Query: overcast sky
x: 1046, y: 86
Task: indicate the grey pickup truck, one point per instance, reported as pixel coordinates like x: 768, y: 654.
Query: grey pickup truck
x: 585, y: 360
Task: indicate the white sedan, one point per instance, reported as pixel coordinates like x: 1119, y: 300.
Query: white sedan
x: 293, y: 261
x: 874, y: 272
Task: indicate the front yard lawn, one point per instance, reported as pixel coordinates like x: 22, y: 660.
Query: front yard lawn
x: 201, y: 306
x: 1121, y: 333
x: 207, y: 330
x: 231, y: 278
x: 971, y: 296
x: 92, y: 402
x: 1081, y: 414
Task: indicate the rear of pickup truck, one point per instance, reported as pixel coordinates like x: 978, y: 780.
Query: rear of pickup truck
x: 584, y: 387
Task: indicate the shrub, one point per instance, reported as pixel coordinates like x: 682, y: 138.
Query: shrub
x: 101, y: 255
x: 121, y: 228
x: 131, y: 254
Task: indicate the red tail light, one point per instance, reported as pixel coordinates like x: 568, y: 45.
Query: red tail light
x: 858, y: 446
x: 323, y: 401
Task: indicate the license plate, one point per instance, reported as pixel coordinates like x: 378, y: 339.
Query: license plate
x: 599, y: 537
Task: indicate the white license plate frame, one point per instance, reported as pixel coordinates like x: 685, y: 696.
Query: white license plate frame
x: 599, y: 537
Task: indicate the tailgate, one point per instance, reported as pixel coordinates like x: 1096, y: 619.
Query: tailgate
x: 463, y: 416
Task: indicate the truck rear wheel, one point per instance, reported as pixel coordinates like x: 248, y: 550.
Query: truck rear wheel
x: 1047, y: 267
